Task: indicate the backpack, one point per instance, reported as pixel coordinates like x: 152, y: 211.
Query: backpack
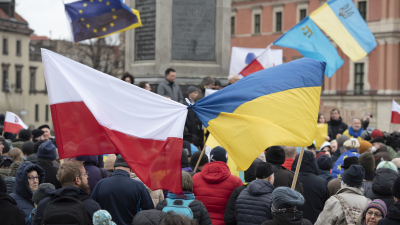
x: 179, y: 206
x: 351, y: 214
x: 65, y: 210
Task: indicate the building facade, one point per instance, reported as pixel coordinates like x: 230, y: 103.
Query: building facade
x: 365, y: 86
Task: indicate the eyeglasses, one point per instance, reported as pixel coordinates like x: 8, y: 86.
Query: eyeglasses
x: 377, y: 215
x: 86, y: 173
x: 34, y: 178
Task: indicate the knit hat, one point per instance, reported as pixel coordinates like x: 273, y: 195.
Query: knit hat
x: 207, y: 80
x: 396, y: 188
x: 36, y: 146
x: 44, y: 126
x: 27, y: 147
x: 184, y: 159
x: 250, y: 173
x: 37, y: 133
x: 364, y: 146
x: 120, y: 162
x: 191, y: 89
x: 396, y: 162
x: 264, y: 170
x: 102, y: 217
x: 39, y: 195
x: 367, y: 161
x: 387, y: 165
x: 195, y: 157
x: 347, y: 162
x: 324, y: 162
x: 5, y: 161
x: 377, y: 204
x: 275, y: 155
x: 341, y: 140
x: 376, y: 133
x: 354, y: 176
x: 47, y: 150
x: 325, y: 144
x: 365, y: 134
x: 218, y: 154
x: 25, y: 134
x: 6, y: 148
x: 110, y: 160
x: 284, y: 197
x: 352, y: 143
x: 377, y: 139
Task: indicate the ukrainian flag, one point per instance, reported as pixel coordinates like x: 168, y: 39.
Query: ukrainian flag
x: 275, y: 106
x: 100, y: 18
x: 341, y: 20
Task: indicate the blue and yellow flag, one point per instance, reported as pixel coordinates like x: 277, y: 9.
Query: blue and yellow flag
x: 275, y: 106
x: 100, y: 18
x: 337, y: 169
x: 341, y: 20
x: 309, y: 40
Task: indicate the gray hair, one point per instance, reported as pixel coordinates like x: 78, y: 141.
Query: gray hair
x: 232, y: 75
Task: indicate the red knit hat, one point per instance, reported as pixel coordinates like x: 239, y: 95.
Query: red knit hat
x: 376, y: 133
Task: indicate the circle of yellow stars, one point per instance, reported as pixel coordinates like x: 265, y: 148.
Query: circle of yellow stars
x: 88, y: 25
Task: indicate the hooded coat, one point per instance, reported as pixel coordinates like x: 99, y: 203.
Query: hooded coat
x: 284, y: 178
x: 336, y: 127
x: 315, y: 190
x: 287, y: 217
x: 213, y: 186
x: 10, y: 214
x: 382, y: 186
x: 149, y: 217
x: 95, y: 173
x: 326, y: 175
x: 253, y: 205
x: 50, y: 171
x: 392, y: 216
x: 23, y: 193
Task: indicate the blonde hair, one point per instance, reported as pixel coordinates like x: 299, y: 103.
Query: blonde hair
x: 352, y: 143
x: 187, y: 182
x: 16, y: 154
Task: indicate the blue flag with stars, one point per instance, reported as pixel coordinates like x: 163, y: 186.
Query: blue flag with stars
x: 100, y: 18
x: 337, y: 169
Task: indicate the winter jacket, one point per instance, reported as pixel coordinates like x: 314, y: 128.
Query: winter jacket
x: 95, y: 173
x: 194, y: 125
x: 382, y: 186
x: 122, y: 197
x: 50, y: 171
x: 284, y: 178
x: 10, y: 213
x: 336, y: 127
x: 253, y: 205
x: 315, y: 190
x: 23, y: 194
x: 149, y: 217
x: 200, y: 212
x: 229, y: 215
x: 334, y: 186
x: 4, y: 173
x: 171, y: 89
x: 326, y: 175
x: 337, y: 168
x: 333, y: 212
x: 213, y: 186
x: 287, y: 217
x: 392, y: 152
x: 346, y: 132
x: 381, y: 153
x: 18, y: 143
x: 156, y: 196
x: 288, y: 163
x: 392, y: 216
x: 70, y: 191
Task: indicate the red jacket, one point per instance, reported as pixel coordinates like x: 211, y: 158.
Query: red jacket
x: 288, y: 163
x: 213, y: 186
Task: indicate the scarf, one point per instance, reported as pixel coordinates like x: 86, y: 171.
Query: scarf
x: 354, y: 134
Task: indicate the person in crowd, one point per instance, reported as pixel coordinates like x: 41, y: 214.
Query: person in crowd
x: 96, y: 173
x: 2, y: 141
x: 336, y: 125
x: 340, y: 150
x: 321, y: 118
x: 128, y: 78
x: 375, y: 211
x: 253, y: 206
x: 365, y: 146
x: 283, y: 177
x: 23, y: 136
x: 33, y: 157
x: 351, y: 195
x: 170, y: 87
x: 109, y: 164
x: 326, y: 148
x: 102, y: 217
x: 185, y: 160
x: 315, y: 191
x: 350, y: 149
x: 335, y: 184
x: 355, y: 129
x: 27, y: 149
x: 200, y: 212
x: 39, y: 195
x: 10, y: 180
x: 214, y: 185
x: 192, y: 94
x: 325, y: 164
x: 284, y: 212
x: 5, y: 163
x: 396, y: 162
x: 207, y: 83
x: 193, y: 161
x: 334, y: 146
x: 172, y: 218
x: 73, y: 178
x: 120, y: 195
x: 367, y: 161
x: 193, y: 140
x: 393, y: 213
x: 37, y: 135
x: 290, y: 155
x: 145, y: 85
x: 10, y: 213
x: 379, y: 150
x: 27, y: 180
x: 16, y: 154
x: 232, y: 78
x: 377, y: 133
x: 218, y: 84
x: 47, y: 152
x: 149, y: 217
x: 4, y: 147
x: 312, y: 149
x: 156, y: 195
x: 46, y: 129
x: 385, y: 175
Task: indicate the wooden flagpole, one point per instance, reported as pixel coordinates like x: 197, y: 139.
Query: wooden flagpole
x: 296, y: 174
x: 198, y: 161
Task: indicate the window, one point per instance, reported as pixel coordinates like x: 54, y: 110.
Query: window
x: 32, y: 81
x: 37, y: 112
x: 5, y: 46
x: 47, y: 113
x: 232, y: 25
x: 5, y: 86
x: 18, y: 48
x: 359, y: 79
x: 303, y: 14
x: 278, y: 20
x: 362, y: 8
x: 257, y: 25
x: 18, y: 78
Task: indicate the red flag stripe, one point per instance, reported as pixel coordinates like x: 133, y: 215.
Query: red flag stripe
x: 12, y: 127
x: 253, y: 67
x: 395, y: 117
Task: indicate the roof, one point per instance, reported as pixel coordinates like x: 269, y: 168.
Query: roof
x: 19, y: 18
x: 38, y: 38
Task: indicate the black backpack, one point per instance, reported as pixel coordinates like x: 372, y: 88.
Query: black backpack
x: 65, y: 210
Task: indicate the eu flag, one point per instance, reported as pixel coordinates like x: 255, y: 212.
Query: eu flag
x: 100, y: 18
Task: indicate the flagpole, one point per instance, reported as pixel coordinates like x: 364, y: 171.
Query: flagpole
x: 296, y: 174
x: 198, y: 161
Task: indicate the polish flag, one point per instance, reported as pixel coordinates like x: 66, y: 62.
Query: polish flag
x: 13, y: 124
x: 395, y: 112
x: 263, y: 61
x: 94, y: 114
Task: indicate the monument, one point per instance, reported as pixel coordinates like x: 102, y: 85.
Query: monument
x: 191, y: 36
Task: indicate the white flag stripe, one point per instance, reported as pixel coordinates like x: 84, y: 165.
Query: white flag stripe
x: 395, y: 106
x: 13, y: 118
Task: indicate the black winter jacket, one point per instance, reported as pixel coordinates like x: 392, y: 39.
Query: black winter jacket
x: 336, y: 127
x: 50, y: 171
x: 149, y: 217
x: 315, y: 189
x: 10, y: 214
x: 325, y: 174
x: 392, y: 216
x: 287, y: 217
x: 284, y: 178
x: 229, y: 215
x: 253, y: 205
x: 382, y: 186
x: 200, y: 212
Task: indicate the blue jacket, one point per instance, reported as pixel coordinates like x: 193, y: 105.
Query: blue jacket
x: 122, y: 197
x: 253, y: 205
x: 325, y: 174
x: 23, y: 193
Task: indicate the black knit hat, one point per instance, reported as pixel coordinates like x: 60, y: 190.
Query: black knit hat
x: 37, y: 133
x: 5, y: 161
x: 36, y: 146
x: 275, y: 155
x: 250, y: 173
x: 6, y: 148
x: 25, y: 134
x: 39, y: 195
x: 347, y: 162
x: 396, y: 188
x: 324, y: 162
x: 218, y: 154
x: 354, y: 176
x: 367, y: 161
x: 44, y: 126
x: 27, y: 147
x: 120, y: 162
x: 195, y: 157
x: 264, y: 170
x: 378, y: 139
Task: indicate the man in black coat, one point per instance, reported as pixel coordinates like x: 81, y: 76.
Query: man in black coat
x: 315, y: 190
x: 46, y: 154
x: 335, y: 125
x: 10, y: 214
x: 393, y: 214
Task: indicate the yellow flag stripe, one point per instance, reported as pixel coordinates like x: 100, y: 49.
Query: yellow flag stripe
x: 135, y: 25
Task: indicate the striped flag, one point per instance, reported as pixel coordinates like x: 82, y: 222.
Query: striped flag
x: 13, y: 124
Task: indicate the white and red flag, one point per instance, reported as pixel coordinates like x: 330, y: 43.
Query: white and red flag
x: 395, y: 112
x: 94, y: 113
x: 13, y: 124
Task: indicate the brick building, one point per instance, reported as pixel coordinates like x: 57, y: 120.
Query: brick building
x: 365, y: 86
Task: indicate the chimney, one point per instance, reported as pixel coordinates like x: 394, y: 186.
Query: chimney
x: 8, y: 6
